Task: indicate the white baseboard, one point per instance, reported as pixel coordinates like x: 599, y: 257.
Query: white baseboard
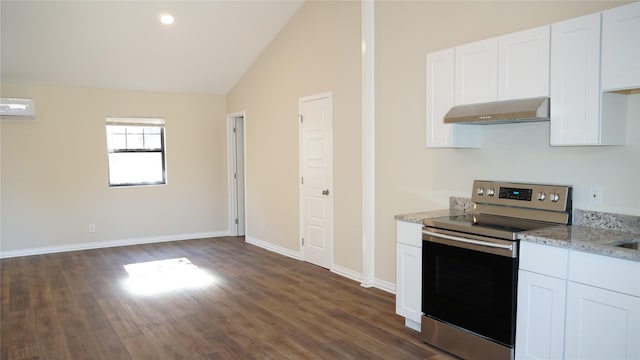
x: 379, y: 284
x: 367, y: 283
x: 348, y: 273
x: 275, y: 248
x: 342, y: 271
x: 110, y: 243
x: 386, y: 286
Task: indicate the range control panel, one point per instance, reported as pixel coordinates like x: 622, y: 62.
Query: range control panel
x: 533, y: 196
x: 515, y: 193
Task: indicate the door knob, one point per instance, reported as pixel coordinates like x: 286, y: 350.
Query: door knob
x: 325, y: 192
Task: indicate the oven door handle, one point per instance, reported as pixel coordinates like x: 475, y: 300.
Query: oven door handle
x: 468, y: 241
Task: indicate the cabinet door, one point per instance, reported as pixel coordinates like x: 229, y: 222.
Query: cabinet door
x: 476, y: 70
x: 440, y: 99
x: 523, y: 59
x: 621, y: 47
x: 409, y: 281
x: 575, y: 86
x: 601, y: 324
x: 540, y: 316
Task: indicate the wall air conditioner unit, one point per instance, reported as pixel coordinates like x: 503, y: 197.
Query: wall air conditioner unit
x: 22, y: 108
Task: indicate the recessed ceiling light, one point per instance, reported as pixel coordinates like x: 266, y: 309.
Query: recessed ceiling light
x: 166, y: 19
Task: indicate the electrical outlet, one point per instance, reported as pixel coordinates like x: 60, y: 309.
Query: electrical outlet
x: 92, y: 228
x: 595, y: 196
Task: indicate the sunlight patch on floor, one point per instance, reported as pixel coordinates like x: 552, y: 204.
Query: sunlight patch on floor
x: 153, y: 277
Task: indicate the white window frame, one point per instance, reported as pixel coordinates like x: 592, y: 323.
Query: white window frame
x: 142, y: 122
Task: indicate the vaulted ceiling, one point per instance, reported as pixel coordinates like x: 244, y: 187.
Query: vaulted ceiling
x: 123, y: 44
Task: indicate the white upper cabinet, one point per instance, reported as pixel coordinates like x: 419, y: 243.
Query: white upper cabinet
x: 523, y: 64
x: 575, y: 85
x: 476, y: 72
x: 440, y: 98
x: 512, y: 66
x: 580, y: 113
x: 621, y: 47
x: 586, y: 65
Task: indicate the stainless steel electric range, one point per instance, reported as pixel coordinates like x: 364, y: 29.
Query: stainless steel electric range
x: 470, y: 266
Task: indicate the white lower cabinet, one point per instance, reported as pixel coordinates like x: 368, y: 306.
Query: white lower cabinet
x: 409, y: 273
x: 601, y: 324
x: 542, y: 283
x: 603, y: 308
x: 540, y: 317
x: 576, y: 305
x: 408, y: 284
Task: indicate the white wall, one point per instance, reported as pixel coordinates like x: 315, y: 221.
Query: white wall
x: 412, y: 178
x: 54, y: 170
x: 317, y: 51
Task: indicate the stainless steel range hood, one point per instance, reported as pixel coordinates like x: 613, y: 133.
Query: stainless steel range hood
x: 500, y: 112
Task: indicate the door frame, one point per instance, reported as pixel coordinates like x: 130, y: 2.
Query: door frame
x: 367, y: 19
x: 231, y: 156
x: 329, y: 95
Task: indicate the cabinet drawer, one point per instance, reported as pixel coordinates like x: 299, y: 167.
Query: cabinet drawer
x: 544, y: 259
x: 605, y: 272
x: 409, y: 233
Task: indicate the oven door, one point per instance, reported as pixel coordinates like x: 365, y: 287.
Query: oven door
x: 470, y: 282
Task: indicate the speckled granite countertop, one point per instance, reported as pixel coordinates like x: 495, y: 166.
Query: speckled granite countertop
x: 588, y: 239
x: 418, y: 217
x: 457, y: 206
x: 593, y: 232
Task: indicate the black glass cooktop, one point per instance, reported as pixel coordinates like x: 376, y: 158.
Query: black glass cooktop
x: 502, y: 227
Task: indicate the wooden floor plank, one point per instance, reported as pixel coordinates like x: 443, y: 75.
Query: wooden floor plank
x: 261, y: 305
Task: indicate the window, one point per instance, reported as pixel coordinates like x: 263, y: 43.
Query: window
x: 136, y: 151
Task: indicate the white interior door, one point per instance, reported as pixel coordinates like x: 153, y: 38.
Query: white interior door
x: 239, y: 183
x: 236, y: 174
x: 316, y: 181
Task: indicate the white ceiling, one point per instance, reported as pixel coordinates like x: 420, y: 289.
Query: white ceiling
x: 123, y: 45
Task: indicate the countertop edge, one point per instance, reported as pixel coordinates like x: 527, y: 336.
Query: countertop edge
x: 418, y: 217
x: 586, y: 239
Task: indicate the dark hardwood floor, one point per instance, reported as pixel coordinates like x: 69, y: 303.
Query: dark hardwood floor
x: 258, y: 305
